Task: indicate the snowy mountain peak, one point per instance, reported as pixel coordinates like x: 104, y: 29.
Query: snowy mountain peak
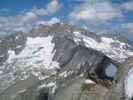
x: 58, y: 49
x: 114, y: 49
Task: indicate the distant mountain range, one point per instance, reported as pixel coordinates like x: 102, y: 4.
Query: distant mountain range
x: 49, y: 48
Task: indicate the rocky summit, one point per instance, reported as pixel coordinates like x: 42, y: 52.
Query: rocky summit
x: 63, y: 62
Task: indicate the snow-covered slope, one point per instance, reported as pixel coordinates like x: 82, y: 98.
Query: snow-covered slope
x: 36, y: 56
x: 113, y: 48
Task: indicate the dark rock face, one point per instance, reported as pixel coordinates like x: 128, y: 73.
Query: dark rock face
x: 76, y: 63
x: 132, y: 98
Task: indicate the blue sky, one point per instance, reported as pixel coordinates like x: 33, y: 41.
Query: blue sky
x: 96, y: 15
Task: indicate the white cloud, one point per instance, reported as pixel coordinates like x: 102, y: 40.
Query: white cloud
x: 11, y: 23
x: 53, y: 6
x: 96, y: 11
x: 40, y: 11
x: 29, y: 16
x: 127, y: 6
x: 24, y: 22
x: 49, y: 22
x: 83, y: 13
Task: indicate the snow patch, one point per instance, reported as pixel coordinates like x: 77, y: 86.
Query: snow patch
x: 21, y: 91
x: 65, y: 73
x: 88, y: 81
x: 49, y: 85
x: 19, y: 46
